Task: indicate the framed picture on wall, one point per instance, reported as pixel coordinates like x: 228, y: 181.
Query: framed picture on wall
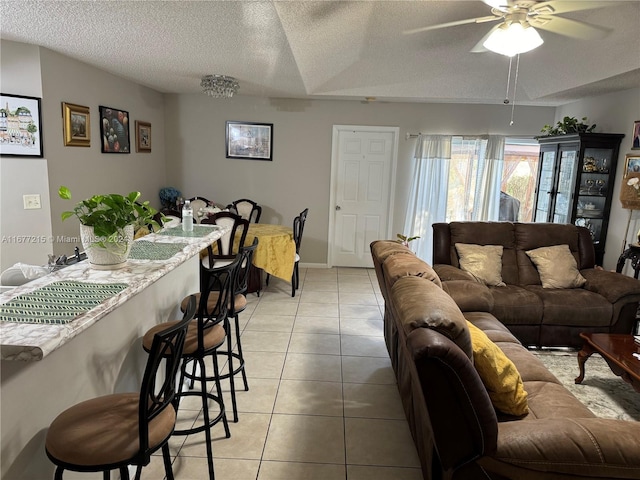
x: 250, y: 141
x: 636, y: 136
x: 20, y: 126
x: 630, y: 190
x: 114, y: 128
x: 76, y: 125
x: 143, y: 136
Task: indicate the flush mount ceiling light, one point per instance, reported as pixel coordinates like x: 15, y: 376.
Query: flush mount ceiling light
x: 513, y: 38
x: 219, y: 86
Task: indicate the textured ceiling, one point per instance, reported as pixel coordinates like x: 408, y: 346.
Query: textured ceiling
x: 321, y: 49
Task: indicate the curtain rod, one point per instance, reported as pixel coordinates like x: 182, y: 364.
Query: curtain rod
x: 409, y: 136
x: 416, y: 135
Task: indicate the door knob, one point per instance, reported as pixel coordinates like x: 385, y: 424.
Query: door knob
x: 338, y: 208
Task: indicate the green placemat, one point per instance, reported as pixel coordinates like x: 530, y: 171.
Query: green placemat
x: 58, y: 302
x: 144, y: 250
x: 198, y: 231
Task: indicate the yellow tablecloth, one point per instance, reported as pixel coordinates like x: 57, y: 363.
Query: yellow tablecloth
x: 276, y: 250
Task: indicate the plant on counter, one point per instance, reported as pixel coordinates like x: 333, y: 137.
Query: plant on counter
x: 110, y: 214
x: 568, y: 125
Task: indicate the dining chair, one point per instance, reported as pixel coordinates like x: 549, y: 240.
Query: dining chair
x: 197, y: 203
x: 114, y: 431
x: 229, y: 245
x: 298, y: 229
x: 247, y: 209
x: 205, y: 336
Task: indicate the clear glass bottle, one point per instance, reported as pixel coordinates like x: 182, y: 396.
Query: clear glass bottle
x: 187, y: 217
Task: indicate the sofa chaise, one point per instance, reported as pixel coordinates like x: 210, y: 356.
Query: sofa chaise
x: 458, y: 431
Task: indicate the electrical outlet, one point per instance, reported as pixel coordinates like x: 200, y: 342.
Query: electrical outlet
x: 31, y: 201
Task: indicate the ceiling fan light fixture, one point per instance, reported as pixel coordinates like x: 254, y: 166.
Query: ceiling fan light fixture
x: 513, y: 38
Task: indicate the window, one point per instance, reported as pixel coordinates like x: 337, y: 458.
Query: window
x: 520, y: 174
x: 517, y: 185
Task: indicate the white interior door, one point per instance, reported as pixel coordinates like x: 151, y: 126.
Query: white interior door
x: 363, y: 175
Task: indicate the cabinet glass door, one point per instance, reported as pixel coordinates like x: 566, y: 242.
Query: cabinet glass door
x: 564, y: 195
x: 545, y: 187
x: 594, y: 186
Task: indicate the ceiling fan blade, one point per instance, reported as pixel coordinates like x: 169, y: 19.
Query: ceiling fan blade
x: 554, y: 6
x: 452, y: 24
x: 499, y: 3
x: 569, y: 28
x: 479, y: 47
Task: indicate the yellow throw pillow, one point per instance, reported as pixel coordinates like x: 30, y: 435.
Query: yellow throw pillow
x: 482, y: 261
x: 557, y: 267
x: 498, y: 374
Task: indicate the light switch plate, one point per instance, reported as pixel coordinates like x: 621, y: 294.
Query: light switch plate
x: 31, y: 201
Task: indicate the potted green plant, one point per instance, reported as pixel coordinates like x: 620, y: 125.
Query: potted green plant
x: 568, y: 125
x: 404, y: 240
x: 108, y: 224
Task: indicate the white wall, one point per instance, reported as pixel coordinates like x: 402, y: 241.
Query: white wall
x: 22, y: 231
x: 299, y: 175
x: 87, y: 171
x: 613, y: 113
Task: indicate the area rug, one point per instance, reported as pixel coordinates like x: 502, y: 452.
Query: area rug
x: 604, y: 393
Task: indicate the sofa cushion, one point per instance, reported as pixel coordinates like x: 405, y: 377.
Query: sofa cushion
x: 560, y: 307
x: 419, y: 303
x: 499, y: 375
x: 516, y: 305
x: 492, y: 327
x: 469, y: 296
x: 484, y: 262
x: 557, y: 267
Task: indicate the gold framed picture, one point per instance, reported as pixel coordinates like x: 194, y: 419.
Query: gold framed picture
x: 630, y: 191
x: 76, y: 125
x: 143, y: 136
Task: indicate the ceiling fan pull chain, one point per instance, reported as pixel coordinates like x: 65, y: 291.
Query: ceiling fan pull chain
x: 506, y: 97
x: 515, y: 86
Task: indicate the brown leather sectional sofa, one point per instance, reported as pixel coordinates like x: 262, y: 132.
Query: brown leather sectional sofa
x: 457, y: 432
x: 535, y: 315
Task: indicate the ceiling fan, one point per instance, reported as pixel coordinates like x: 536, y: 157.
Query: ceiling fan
x: 516, y: 33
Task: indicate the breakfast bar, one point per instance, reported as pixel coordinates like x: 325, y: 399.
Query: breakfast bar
x: 49, y: 366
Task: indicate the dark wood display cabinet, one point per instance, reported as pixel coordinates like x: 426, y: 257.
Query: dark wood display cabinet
x: 576, y: 174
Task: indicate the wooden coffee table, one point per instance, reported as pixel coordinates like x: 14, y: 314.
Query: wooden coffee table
x: 617, y: 350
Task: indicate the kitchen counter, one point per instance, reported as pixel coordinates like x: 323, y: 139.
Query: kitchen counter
x: 33, y: 341
x: 48, y: 368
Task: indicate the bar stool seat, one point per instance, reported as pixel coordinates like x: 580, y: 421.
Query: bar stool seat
x: 117, y: 430
x: 213, y: 336
x: 104, y: 431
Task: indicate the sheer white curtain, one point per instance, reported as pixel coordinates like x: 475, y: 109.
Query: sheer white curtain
x: 490, y: 167
x: 428, y: 199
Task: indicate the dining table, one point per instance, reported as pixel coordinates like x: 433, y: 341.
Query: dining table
x: 276, y: 251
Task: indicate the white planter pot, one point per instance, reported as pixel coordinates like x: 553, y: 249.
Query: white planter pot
x: 112, y: 257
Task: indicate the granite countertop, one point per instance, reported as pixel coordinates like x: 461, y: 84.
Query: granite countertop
x: 33, y: 341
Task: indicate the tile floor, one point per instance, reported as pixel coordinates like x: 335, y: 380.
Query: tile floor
x: 322, y: 401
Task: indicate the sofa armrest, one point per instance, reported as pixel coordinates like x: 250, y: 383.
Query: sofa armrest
x: 469, y: 296
x: 612, y: 286
x: 449, y: 272
x: 584, y: 447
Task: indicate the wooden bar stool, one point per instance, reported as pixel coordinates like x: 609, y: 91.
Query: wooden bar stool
x: 114, y: 431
